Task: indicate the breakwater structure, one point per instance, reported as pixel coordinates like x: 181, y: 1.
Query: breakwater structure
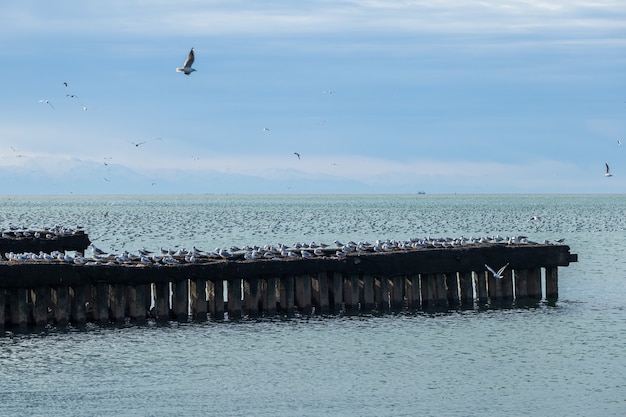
x: 61, y: 289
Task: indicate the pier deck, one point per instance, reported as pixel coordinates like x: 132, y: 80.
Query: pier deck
x: 37, y: 293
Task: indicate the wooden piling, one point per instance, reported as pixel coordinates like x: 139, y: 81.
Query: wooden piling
x: 78, y: 294
x: 368, y: 293
x: 215, y: 289
x: 302, y: 286
x: 18, y: 307
x: 198, y: 295
x: 507, y: 285
x: 441, y: 290
x: 397, y: 292
x: 3, y: 303
x: 162, y: 300
x: 466, y: 280
x: 40, y: 309
x: 63, y: 306
x: 426, y: 291
x: 118, y: 303
x: 521, y: 284
x: 252, y: 296
x: 234, y: 298
x: 385, y: 301
x: 482, y: 282
x: 452, y: 284
x: 101, y: 301
x: 552, y: 283
x: 337, y: 291
x: 180, y: 300
x: 270, y: 303
x: 534, y: 283
x: 323, y: 292
x: 287, y: 296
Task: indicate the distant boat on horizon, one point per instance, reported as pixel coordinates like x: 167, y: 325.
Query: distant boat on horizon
x: 421, y: 192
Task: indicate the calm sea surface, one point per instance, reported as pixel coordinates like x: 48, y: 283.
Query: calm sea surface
x: 562, y: 360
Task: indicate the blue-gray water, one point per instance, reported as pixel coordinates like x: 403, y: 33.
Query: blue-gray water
x: 562, y: 360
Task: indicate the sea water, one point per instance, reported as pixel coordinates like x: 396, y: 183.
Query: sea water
x: 559, y: 360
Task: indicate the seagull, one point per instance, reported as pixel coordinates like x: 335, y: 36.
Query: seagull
x: 265, y: 129
x: 497, y: 274
x: 47, y: 102
x: 186, y: 69
x: 137, y: 144
x: 297, y: 154
x: 65, y: 84
x: 534, y: 218
x: 619, y: 142
x: 607, y: 173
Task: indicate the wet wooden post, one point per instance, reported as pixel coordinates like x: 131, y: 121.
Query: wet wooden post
x: 19, y: 307
x: 552, y: 283
x: 197, y: 293
x: 79, y: 298
x: 413, y: 289
x: 452, y: 283
x: 234, y: 298
x: 322, y: 284
x: 215, y: 288
x: 521, y: 284
x: 162, y: 300
x: 466, y: 280
x: 3, y: 304
x: 481, y: 280
x: 534, y: 283
x: 426, y: 290
x: 180, y: 300
x: 385, y: 301
x: 287, y: 296
x: 494, y: 287
x: 101, y: 301
x: 137, y: 302
x: 42, y: 300
x: 507, y: 285
x: 252, y: 296
x: 63, y: 306
x: 270, y: 303
x: 118, y: 302
x: 352, y: 289
x: 368, y: 293
x: 441, y: 290
x: 302, y: 285
x: 337, y: 291
x: 397, y: 293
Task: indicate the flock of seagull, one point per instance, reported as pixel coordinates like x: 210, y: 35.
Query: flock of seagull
x: 53, y: 232
x: 143, y: 257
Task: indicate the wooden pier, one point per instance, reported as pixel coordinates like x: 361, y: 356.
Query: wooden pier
x: 58, y: 293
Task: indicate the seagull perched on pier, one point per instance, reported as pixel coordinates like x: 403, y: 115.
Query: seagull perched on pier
x: 186, y: 69
x: 498, y: 274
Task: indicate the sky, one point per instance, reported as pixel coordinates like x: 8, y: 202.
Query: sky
x: 313, y: 97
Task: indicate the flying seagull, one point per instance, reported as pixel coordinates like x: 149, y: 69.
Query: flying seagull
x: 65, y: 84
x: 137, y: 144
x: 297, y: 154
x: 607, y: 173
x: 187, y: 65
x: 497, y: 274
x: 47, y: 102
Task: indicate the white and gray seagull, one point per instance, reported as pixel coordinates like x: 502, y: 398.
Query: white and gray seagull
x: 498, y: 274
x: 186, y: 69
x: 607, y: 173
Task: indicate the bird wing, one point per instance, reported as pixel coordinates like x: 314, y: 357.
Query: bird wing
x: 189, y: 60
x: 490, y: 269
x: 607, y: 167
x: 501, y: 270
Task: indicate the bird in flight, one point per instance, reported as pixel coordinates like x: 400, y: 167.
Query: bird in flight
x: 607, y: 173
x: 65, y: 84
x: 497, y: 274
x: 186, y: 69
x: 297, y: 154
x: 47, y: 102
x: 137, y: 144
